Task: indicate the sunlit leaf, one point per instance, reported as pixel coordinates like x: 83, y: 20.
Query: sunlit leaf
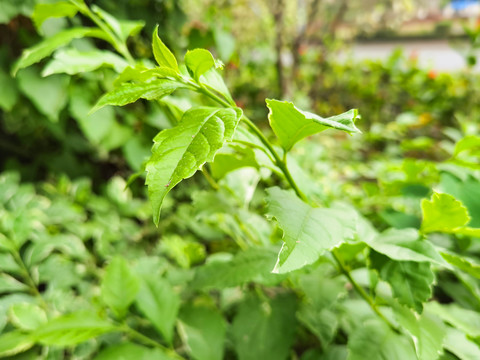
x: 443, y: 213
x: 162, y: 54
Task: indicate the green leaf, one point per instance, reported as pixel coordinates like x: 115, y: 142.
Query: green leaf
x: 376, y: 341
x: 9, y: 284
x: 159, y: 303
x: 72, y: 329
x: 129, y: 93
x: 203, y: 331
x: 179, y: 152
x: 213, y: 80
x: 9, y: 98
x: 465, y: 264
x: 14, y: 342
x: 291, y: 124
x: 162, y: 54
x: 411, y: 282
x: 427, y: 330
x: 253, y: 264
x: 43, y: 12
x: 265, y: 330
x: 307, y: 232
x: 27, y: 316
x: 72, y: 61
x: 405, y: 245
x: 131, y: 351
x: 232, y: 158
x: 119, y: 286
x: 443, y: 213
x: 122, y: 28
x: 468, y: 143
x: 465, y: 320
x: 46, y: 47
x: 49, y: 95
x: 198, y: 62
x: 457, y: 343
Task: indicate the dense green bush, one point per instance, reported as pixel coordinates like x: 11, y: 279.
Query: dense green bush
x: 270, y: 246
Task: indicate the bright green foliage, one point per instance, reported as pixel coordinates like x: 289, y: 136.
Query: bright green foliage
x: 179, y: 152
x: 443, y: 213
x: 263, y: 330
x: 48, y: 46
x: 198, y: 62
x: 14, y: 342
x: 375, y: 341
x: 121, y: 28
x: 72, y: 329
x: 291, y: 124
x: 129, y: 92
x: 159, y: 303
x: 459, y: 344
x: 163, y: 55
x: 72, y: 61
x: 466, y: 320
x: 27, y: 316
x: 119, y: 286
x: 203, y: 331
x: 308, y: 232
x: 43, y: 12
x: 462, y: 263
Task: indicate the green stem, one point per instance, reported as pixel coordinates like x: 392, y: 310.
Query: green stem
x: 134, y: 334
x: 277, y: 159
x: 118, y: 44
x: 28, y: 279
x: 360, y: 290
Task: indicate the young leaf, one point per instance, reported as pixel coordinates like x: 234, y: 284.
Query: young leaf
x: 179, y: 152
x: 264, y: 330
x: 128, y: 93
x: 291, y: 124
x: 162, y: 54
x: 119, y: 286
x: 203, y: 331
x: 43, y: 12
x: 308, y: 232
x: 411, y: 282
x: 72, y: 61
x: 198, y: 62
x: 405, y: 245
x: 159, y: 303
x: 27, y: 316
x: 46, y: 47
x: 443, y: 213
x: 14, y: 342
x: 376, y: 341
x: 122, y: 28
x: 72, y: 329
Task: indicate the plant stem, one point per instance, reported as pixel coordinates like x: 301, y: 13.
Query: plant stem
x: 134, y: 334
x: 118, y: 44
x: 277, y: 159
x: 359, y: 289
x: 28, y: 278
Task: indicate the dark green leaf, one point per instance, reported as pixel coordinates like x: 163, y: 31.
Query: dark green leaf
x: 119, y: 286
x: 291, y: 124
x: 159, y: 303
x: 179, y: 152
x: 203, y: 331
x: 131, y: 351
x: 265, y: 330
